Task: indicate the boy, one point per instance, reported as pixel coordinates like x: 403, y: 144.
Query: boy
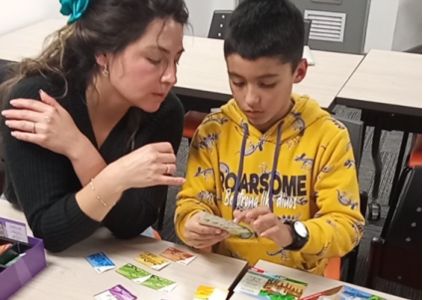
x: 271, y: 159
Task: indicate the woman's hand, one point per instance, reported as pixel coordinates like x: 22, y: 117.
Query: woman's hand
x: 45, y: 123
x: 266, y: 224
x: 201, y: 236
x: 150, y: 165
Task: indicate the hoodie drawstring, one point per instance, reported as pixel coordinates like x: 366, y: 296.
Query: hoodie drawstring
x: 275, y: 160
x: 240, y: 168
x: 241, y: 161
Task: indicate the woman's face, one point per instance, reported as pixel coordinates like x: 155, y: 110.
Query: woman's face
x: 145, y: 71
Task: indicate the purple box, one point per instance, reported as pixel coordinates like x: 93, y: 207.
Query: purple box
x: 15, y: 276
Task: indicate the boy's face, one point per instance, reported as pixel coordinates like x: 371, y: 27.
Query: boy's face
x: 262, y: 87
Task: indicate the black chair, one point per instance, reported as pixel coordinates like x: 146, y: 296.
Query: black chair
x: 5, y: 70
x: 396, y: 254
x: 307, y: 27
x: 355, y: 129
x: 219, y: 23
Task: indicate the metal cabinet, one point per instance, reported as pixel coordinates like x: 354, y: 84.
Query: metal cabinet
x: 337, y: 25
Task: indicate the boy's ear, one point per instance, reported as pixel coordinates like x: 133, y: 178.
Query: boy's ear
x: 300, y: 71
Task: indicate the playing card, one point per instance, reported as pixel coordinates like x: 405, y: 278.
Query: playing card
x: 229, y: 226
x: 100, y: 262
x: 152, y: 260
x: 117, y: 292
x: 159, y: 283
x: 134, y: 273
x: 205, y: 292
x: 178, y: 255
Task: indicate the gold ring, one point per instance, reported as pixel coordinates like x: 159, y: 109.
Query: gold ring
x: 167, y: 169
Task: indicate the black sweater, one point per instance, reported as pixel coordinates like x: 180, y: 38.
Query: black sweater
x: 44, y: 183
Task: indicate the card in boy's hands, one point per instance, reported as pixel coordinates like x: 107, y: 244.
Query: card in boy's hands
x: 100, y: 262
x: 134, y: 273
x: 229, y: 226
x: 178, y: 255
x: 152, y: 260
x: 159, y: 283
x: 117, y: 292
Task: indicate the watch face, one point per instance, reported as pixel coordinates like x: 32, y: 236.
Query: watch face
x: 300, y: 229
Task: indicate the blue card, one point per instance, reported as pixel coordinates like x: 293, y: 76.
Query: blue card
x: 100, y: 262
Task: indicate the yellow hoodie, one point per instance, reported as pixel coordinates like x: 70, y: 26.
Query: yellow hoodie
x: 315, y: 181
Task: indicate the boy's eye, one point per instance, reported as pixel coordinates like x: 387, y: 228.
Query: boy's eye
x: 267, y: 85
x: 238, y: 83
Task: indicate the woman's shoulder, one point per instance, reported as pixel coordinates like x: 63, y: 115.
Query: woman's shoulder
x: 30, y: 86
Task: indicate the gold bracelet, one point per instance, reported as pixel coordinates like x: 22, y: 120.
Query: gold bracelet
x: 98, y: 197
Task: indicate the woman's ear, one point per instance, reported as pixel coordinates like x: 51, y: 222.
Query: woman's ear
x: 101, y: 60
x: 300, y: 71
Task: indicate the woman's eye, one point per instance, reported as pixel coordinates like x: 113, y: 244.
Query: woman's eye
x: 154, y: 61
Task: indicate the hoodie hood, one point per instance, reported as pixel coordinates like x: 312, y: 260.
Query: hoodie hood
x: 303, y: 114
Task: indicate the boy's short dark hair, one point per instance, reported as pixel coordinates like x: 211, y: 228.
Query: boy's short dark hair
x: 266, y: 28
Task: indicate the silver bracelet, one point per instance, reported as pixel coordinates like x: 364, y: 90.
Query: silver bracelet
x: 98, y: 197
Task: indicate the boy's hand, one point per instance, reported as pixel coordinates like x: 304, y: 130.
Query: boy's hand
x: 266, y: 224
x: 201, y: 236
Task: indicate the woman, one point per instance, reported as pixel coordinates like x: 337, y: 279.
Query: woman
x: 99, y: 148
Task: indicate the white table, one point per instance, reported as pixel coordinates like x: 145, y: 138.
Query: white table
x: 387, y: 88
x: 202, y: 72
x: 69, y: 276
x: 386, y: 81
x: 315, y: 283
x: 28, y: 41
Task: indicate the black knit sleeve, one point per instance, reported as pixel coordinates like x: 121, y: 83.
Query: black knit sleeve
x: 44, y: 182
x: 138, y: 208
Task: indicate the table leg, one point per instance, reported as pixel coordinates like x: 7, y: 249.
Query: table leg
x: 374, y: 207
x: 393, y: 198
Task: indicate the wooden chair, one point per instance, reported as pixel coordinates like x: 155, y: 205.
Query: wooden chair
x: 396, y: 254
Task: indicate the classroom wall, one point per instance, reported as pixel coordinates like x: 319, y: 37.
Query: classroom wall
x: 392, y: 24
x: 408, y: 28
x: 14, y: 16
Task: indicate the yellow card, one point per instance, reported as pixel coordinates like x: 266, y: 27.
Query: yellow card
x: 152, y: 260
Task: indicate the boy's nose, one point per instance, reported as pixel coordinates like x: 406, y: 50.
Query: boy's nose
x: 252, y: 98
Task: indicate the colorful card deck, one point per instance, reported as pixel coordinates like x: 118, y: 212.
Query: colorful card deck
x: 134, y: 273
x: 147, y: 279
x: 160, y: 284
x: 204, y: 292
x: 178, y: 255
x: 152, y: 260
x: 229, y: 226
x: 259, y: 283
x: 117, y: 292
x: 100, y: 262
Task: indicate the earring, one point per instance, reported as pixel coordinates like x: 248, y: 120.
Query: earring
x: 105, y: 71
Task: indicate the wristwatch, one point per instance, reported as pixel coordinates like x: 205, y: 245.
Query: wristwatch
x: 299, y: 234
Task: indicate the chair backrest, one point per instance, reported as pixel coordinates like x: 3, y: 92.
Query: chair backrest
x: 355, y: 129
x: 5, y: 69
x: 396, y: 254
x: 219, y: 23
x: 307, y: 26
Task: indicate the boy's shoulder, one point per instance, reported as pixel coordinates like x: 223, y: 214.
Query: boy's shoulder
x: 214, y: 121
